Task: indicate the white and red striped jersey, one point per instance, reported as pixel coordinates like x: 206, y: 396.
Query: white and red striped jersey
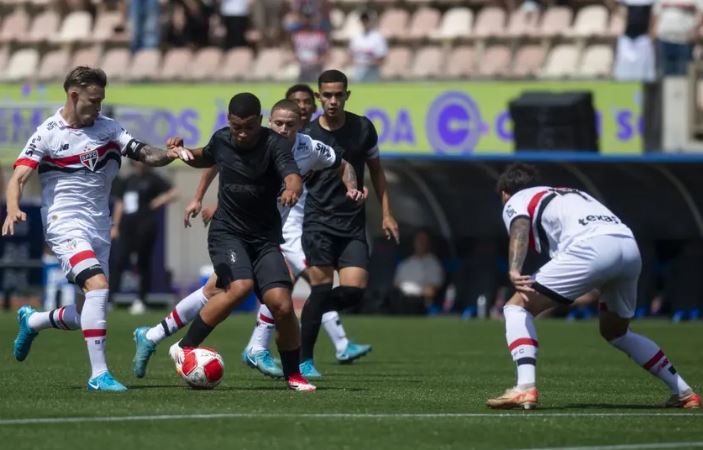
x: 76, y: 168
x: 560, y: 217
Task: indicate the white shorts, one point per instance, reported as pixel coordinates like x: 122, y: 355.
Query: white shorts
x: 81, y: 253
x: 611, y: 264
x: 292, y: 250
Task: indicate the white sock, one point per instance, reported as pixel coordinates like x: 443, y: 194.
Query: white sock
x: 184, y: 312
x: 335, y: 330
x: 64, y: 318
x: 94, y: 326
x: 647, y: 354
x: 522, y: 343
x: 261, y: 336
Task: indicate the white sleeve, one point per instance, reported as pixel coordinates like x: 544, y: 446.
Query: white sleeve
x: 515, y: 208
x: 323, y: 154
x: 123, y: 139
x: 34, y: 150
x: 381, y: 47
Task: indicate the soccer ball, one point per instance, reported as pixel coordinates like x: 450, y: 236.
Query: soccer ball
x: 202, y: 368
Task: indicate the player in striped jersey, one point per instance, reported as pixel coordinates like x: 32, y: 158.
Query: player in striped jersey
x: 77, y: 153
x: 590, y: 249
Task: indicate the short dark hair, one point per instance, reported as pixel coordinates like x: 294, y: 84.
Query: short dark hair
x: 287, y: 105
x: 516, y: 177
x: 244, y: 104
x: 332, y: 76
x: 300, y: 88
x: 83, y: 76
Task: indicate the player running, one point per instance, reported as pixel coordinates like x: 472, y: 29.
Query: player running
x: 334, y: 229
x: 590, y: 248
x: 78, y: 153
x: 245, y: 233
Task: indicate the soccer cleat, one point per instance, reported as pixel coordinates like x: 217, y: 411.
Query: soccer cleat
x: 352, y: 352
x: 177, y: 355
x: 297, y: 382
x: 308, y: 370
x: 105, y: 382
x: 265, y: 364
x: 25, y: 335
x: 690, y: 400
x: 515, y: 398
x: 145, y: 348
x: 246, y: 360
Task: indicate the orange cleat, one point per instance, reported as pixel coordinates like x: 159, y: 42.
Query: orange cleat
x: 690, y: 400
x: 515, y: 398
x: 297, y: 382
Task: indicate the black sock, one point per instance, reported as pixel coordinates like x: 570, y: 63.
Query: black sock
x: 311, y: 318
x: 343, y: 297
x: 290, y: 360
x: 196, y: 334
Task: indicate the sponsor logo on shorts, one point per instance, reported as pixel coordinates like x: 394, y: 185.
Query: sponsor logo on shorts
x: 233, y: 256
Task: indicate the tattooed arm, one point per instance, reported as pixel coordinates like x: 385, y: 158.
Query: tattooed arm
x: 156, y: 157
x: 350, y: 181
x: 519, y: 240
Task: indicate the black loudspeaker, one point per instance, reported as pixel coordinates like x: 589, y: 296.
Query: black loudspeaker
x: 554, y: 121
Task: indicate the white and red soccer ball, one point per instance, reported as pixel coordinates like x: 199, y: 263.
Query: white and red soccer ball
x: 202, y: 368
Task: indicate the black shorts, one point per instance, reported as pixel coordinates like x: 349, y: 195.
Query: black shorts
x: 325, y: 249
x: 238, y: 259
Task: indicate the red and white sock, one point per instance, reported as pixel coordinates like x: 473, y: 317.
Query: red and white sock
x: 94, y: 326
x: 184, y: 312
x: 64, y: 318
x: 261, y: 336
x: 335, y: 330
x: 522, y: 343
x: 647, y: 354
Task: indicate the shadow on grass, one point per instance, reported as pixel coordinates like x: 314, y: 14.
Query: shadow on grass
x: 582, y: 406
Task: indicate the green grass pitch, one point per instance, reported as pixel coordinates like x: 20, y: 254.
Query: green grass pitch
x: 423, y: 387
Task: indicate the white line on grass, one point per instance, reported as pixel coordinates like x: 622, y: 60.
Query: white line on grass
x: 659, y: 446
x: 54, y: 420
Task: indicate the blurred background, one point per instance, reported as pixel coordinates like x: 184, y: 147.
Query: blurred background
x: 602, y: 96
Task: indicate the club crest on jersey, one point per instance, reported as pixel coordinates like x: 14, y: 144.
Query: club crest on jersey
x: 89, y: 159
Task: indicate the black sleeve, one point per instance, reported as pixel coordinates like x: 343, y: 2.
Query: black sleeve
x: 209, y: 150
x: 371, y: 141
x: 283, y: 157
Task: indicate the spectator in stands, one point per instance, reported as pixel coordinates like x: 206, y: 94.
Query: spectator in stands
x: 368, y: 50
x: 268, y: 20
x: 190, y: 23
x: 310, y: 45
x: 235, y: 16
x: 676, y: 26
x: 418, y: 278
x: 137, y: 200
x: 634, y: 57
x: 317, y: 10
x: 145, y: 18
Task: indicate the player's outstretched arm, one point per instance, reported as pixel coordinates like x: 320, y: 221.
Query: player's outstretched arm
x: 517, y: 252
x: 193, y: 157
x: 13, y: 194
x: 293, y: 189
x: 378, y: 178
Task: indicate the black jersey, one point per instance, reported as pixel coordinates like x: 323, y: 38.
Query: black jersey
x: 327, y: 208
x: 250, y: 181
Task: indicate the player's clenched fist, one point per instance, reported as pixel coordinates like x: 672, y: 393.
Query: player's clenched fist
x: 289, y: 198
x: 8, y: 228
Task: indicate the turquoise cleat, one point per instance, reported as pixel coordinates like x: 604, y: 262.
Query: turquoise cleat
x: 352, y: 352
x: 246, y: 359
x: 25, y: 335
x: 145, y: 348
x: 308, y: 370
x: 106, y: 383
x: 265, y: 364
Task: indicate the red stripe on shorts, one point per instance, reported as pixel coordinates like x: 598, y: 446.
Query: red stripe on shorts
x: 655, y: 359
x: 522, y: 341
x: 94, y: 333
x: 81, y: 256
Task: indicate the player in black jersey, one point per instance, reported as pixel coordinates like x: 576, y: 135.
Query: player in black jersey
x: 334, y: 234
x: 245, y: 232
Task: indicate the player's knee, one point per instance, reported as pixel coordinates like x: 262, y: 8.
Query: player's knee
x: 239, y: 289
x: 92, y: 279
x: 281, y: 309
x: 612, y: 327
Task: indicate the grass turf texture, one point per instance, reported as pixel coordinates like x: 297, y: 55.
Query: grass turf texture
x: 591, y: 394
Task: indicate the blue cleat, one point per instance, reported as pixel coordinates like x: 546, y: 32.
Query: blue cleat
x: 106, y: 383
x: 308, y: 370
x: 352, y: 352
x: 246, y: 359
x: 265, y: 364
x: 145, y: 348
x: 25, y: 335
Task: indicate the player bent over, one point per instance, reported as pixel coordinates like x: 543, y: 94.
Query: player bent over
x: 309, y: 156
x: 245, y: 233
x: 78, y: 153
x: 590, y: 248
